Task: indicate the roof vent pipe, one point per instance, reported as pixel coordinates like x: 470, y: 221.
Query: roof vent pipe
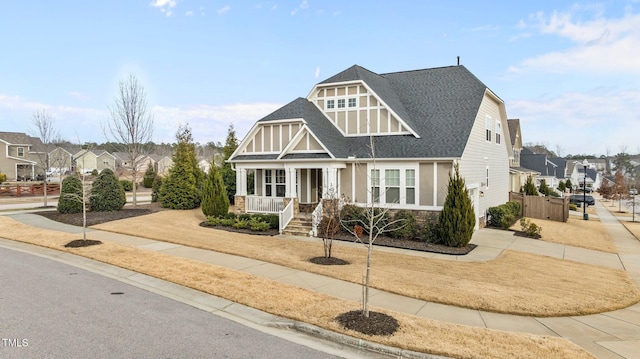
x: 458, y: 60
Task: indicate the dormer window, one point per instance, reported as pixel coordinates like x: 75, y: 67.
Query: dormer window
x: 352, y: 102
x: 330, y: 104
x: 341, y: 103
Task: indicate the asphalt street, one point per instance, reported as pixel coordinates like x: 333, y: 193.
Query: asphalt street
x: 50, y: 309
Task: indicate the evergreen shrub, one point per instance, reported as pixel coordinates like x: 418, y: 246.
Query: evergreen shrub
x: 106, y: 193
x: 70, y: 200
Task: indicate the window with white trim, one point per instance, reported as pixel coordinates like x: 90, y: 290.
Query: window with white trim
x: 392, y: 186
x: 487, y: 178
x: 330, y: 104
x: 488, y: 129
x: 410, y: 186
x: 274, y: 183
x: 352, y: 102
x: 498, y: 132
x: 20, y: 151
x: 375, y: 185
x: 340, y: 103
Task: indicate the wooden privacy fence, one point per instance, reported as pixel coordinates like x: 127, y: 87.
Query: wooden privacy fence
x: 552, y: 208
x: 16, y: 190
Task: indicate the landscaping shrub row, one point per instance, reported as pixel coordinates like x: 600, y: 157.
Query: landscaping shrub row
x: 504, y: 215
x: 255, y: 222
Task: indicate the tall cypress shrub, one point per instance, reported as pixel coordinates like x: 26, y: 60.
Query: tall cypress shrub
x: 179, y: 188
x: 214, y: 198
x: 457, y: 218
x: 107, y: 194
x: 70, y: 200
x: 529, y: 187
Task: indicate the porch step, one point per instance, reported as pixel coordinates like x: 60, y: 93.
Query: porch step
x: 299, y: 226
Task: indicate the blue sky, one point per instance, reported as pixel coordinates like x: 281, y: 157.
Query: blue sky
x: 569, y: 70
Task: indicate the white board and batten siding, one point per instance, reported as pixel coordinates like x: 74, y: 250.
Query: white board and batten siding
x: 481, y: 155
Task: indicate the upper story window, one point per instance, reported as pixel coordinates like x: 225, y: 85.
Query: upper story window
x: 352, y: 102
x: 488, y: 129
x: 330, y: 103
x: 498, y: 132
x: 341, y: 103
x: 20, y: 151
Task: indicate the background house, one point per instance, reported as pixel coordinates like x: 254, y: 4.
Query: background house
x: 20, y: 156
x: 518, y: 174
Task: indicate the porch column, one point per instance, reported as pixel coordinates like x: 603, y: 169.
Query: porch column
x: 290, y: 183
x: 241, y: 182
x: 329, y: 181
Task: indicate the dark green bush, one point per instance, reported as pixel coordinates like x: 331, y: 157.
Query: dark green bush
x: 405, y: 226
x: 230, y: 215
x: 106, y: 193
x: 94, y: 173
x: 241, y: 224
x: 214, y: 221
x: 214, y: 195
x: 504, y: 215
x: 70, y: 200
x: 155, y: 189
x: 457, y: 218
x: 149, y: 176
x: 272, y: 219
x: 229, y: 222
x: 351, y: 215
x: 430, y: 231
x: 127, y: 185
x: 244, y: 217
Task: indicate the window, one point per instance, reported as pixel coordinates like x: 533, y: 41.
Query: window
x: 278, y: 187
x: 352, y: 102
x: 498, y: 132
x: 488, y: 129
x: 341, y: 103
x: 392, y: 186
x: 410, y: 186
x: 487, y: 179
x: 20, y: 151
x: 375, y: 185
x: 105, y: 162
x: 330, y: 104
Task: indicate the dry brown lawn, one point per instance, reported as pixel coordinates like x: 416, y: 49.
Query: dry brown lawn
x: 418, y: 334
x: 515, y: 283
x: 575, y: 232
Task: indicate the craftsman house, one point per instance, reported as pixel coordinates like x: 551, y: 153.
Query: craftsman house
x: 20, y: 156
x: 420, y: 122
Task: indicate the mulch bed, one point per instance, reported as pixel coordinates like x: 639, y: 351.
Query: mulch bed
x: 82, y: 243
x: 375, y: 324
x: 414, y: 245
x: 328, y: 261
x: 268, y: 232
x: 94, y: 218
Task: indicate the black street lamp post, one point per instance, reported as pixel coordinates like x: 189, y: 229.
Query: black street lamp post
x: 585, y: 216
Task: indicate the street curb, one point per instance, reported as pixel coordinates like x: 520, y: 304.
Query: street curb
x: 212, y: 304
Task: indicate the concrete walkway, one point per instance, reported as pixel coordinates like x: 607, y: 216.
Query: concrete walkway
x: 608, y: 335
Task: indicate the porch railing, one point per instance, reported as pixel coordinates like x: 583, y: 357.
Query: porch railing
x: 286, y: 215
x: 265, y: 204
x: 316, y: 218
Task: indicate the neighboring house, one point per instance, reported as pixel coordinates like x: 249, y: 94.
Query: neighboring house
x: 162, y: 164
x: 20, y: 156
x: 548, y: 171
x: 123, y: 161
x: 577, y: 175
x: 422, y: 122
x: 204, y: 165
x: 61, y: 159
x: 517, y: 174
x: 86, y: 161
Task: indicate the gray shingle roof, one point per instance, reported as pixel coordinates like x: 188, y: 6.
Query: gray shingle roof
x: 513, y: 124
x: 439, y: 104
x: 19, y: 138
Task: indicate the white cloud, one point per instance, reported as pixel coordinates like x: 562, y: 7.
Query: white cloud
x: 223, y: 10
x: 165, y: 6
x: 317, y: 72
x: 604, y: 45
x: 189, y: 13
x: 580, y: 121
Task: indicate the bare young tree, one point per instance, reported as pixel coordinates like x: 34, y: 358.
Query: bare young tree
x: 131, y: 124
x: 43, y: 129
x: 375, y: 222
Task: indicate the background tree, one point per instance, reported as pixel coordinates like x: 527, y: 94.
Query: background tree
x: 228, y: 174
x: 619, y: 188
x: 106, y: 193
x: 179, y: 189
x: 131, y: 124
x: 529, y: 187
x: 457, y: 218
x: 214, y: 197
x: 149, y: 176
x: 561, y: 186
x: 569, y: 185
x: 44, y: 130
x: 544, y: 189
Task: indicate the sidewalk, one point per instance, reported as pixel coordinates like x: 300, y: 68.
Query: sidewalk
x: 609, y: 335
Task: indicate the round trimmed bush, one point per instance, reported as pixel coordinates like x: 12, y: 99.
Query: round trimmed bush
x: 106, y: 193
x: 405, y: 225
x: 70, y: 200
